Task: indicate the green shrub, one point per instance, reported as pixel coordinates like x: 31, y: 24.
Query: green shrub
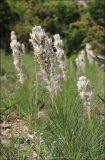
x: 97, y: 11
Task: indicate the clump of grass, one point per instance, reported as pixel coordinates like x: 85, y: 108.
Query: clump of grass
x: 67, y: 133
x: 71, y: 136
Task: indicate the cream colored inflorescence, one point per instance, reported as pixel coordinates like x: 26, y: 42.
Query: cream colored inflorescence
x: 85, y: 92
x: 17, y: 51
x: 80, y: 62
x: 61, y: 57
x: 90, y: 54
x: 46, y: 57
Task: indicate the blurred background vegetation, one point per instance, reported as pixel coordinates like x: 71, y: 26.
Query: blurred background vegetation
x: 75, y: 22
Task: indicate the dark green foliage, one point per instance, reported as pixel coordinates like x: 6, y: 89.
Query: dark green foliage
x: 54, y: 16
x: 97, y: 11
x: 67, y: 12
x: 96, y: 36
x: 75, y: 25
x: 77, y: 33
x: 7, y: 18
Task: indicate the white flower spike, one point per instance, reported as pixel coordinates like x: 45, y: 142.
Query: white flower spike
x: 17, y: 56
x: 85, y: 92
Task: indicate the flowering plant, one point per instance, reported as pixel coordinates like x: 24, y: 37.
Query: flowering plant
x: 48, y: 58
x: 17, y: 50
x: 85, y: 92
